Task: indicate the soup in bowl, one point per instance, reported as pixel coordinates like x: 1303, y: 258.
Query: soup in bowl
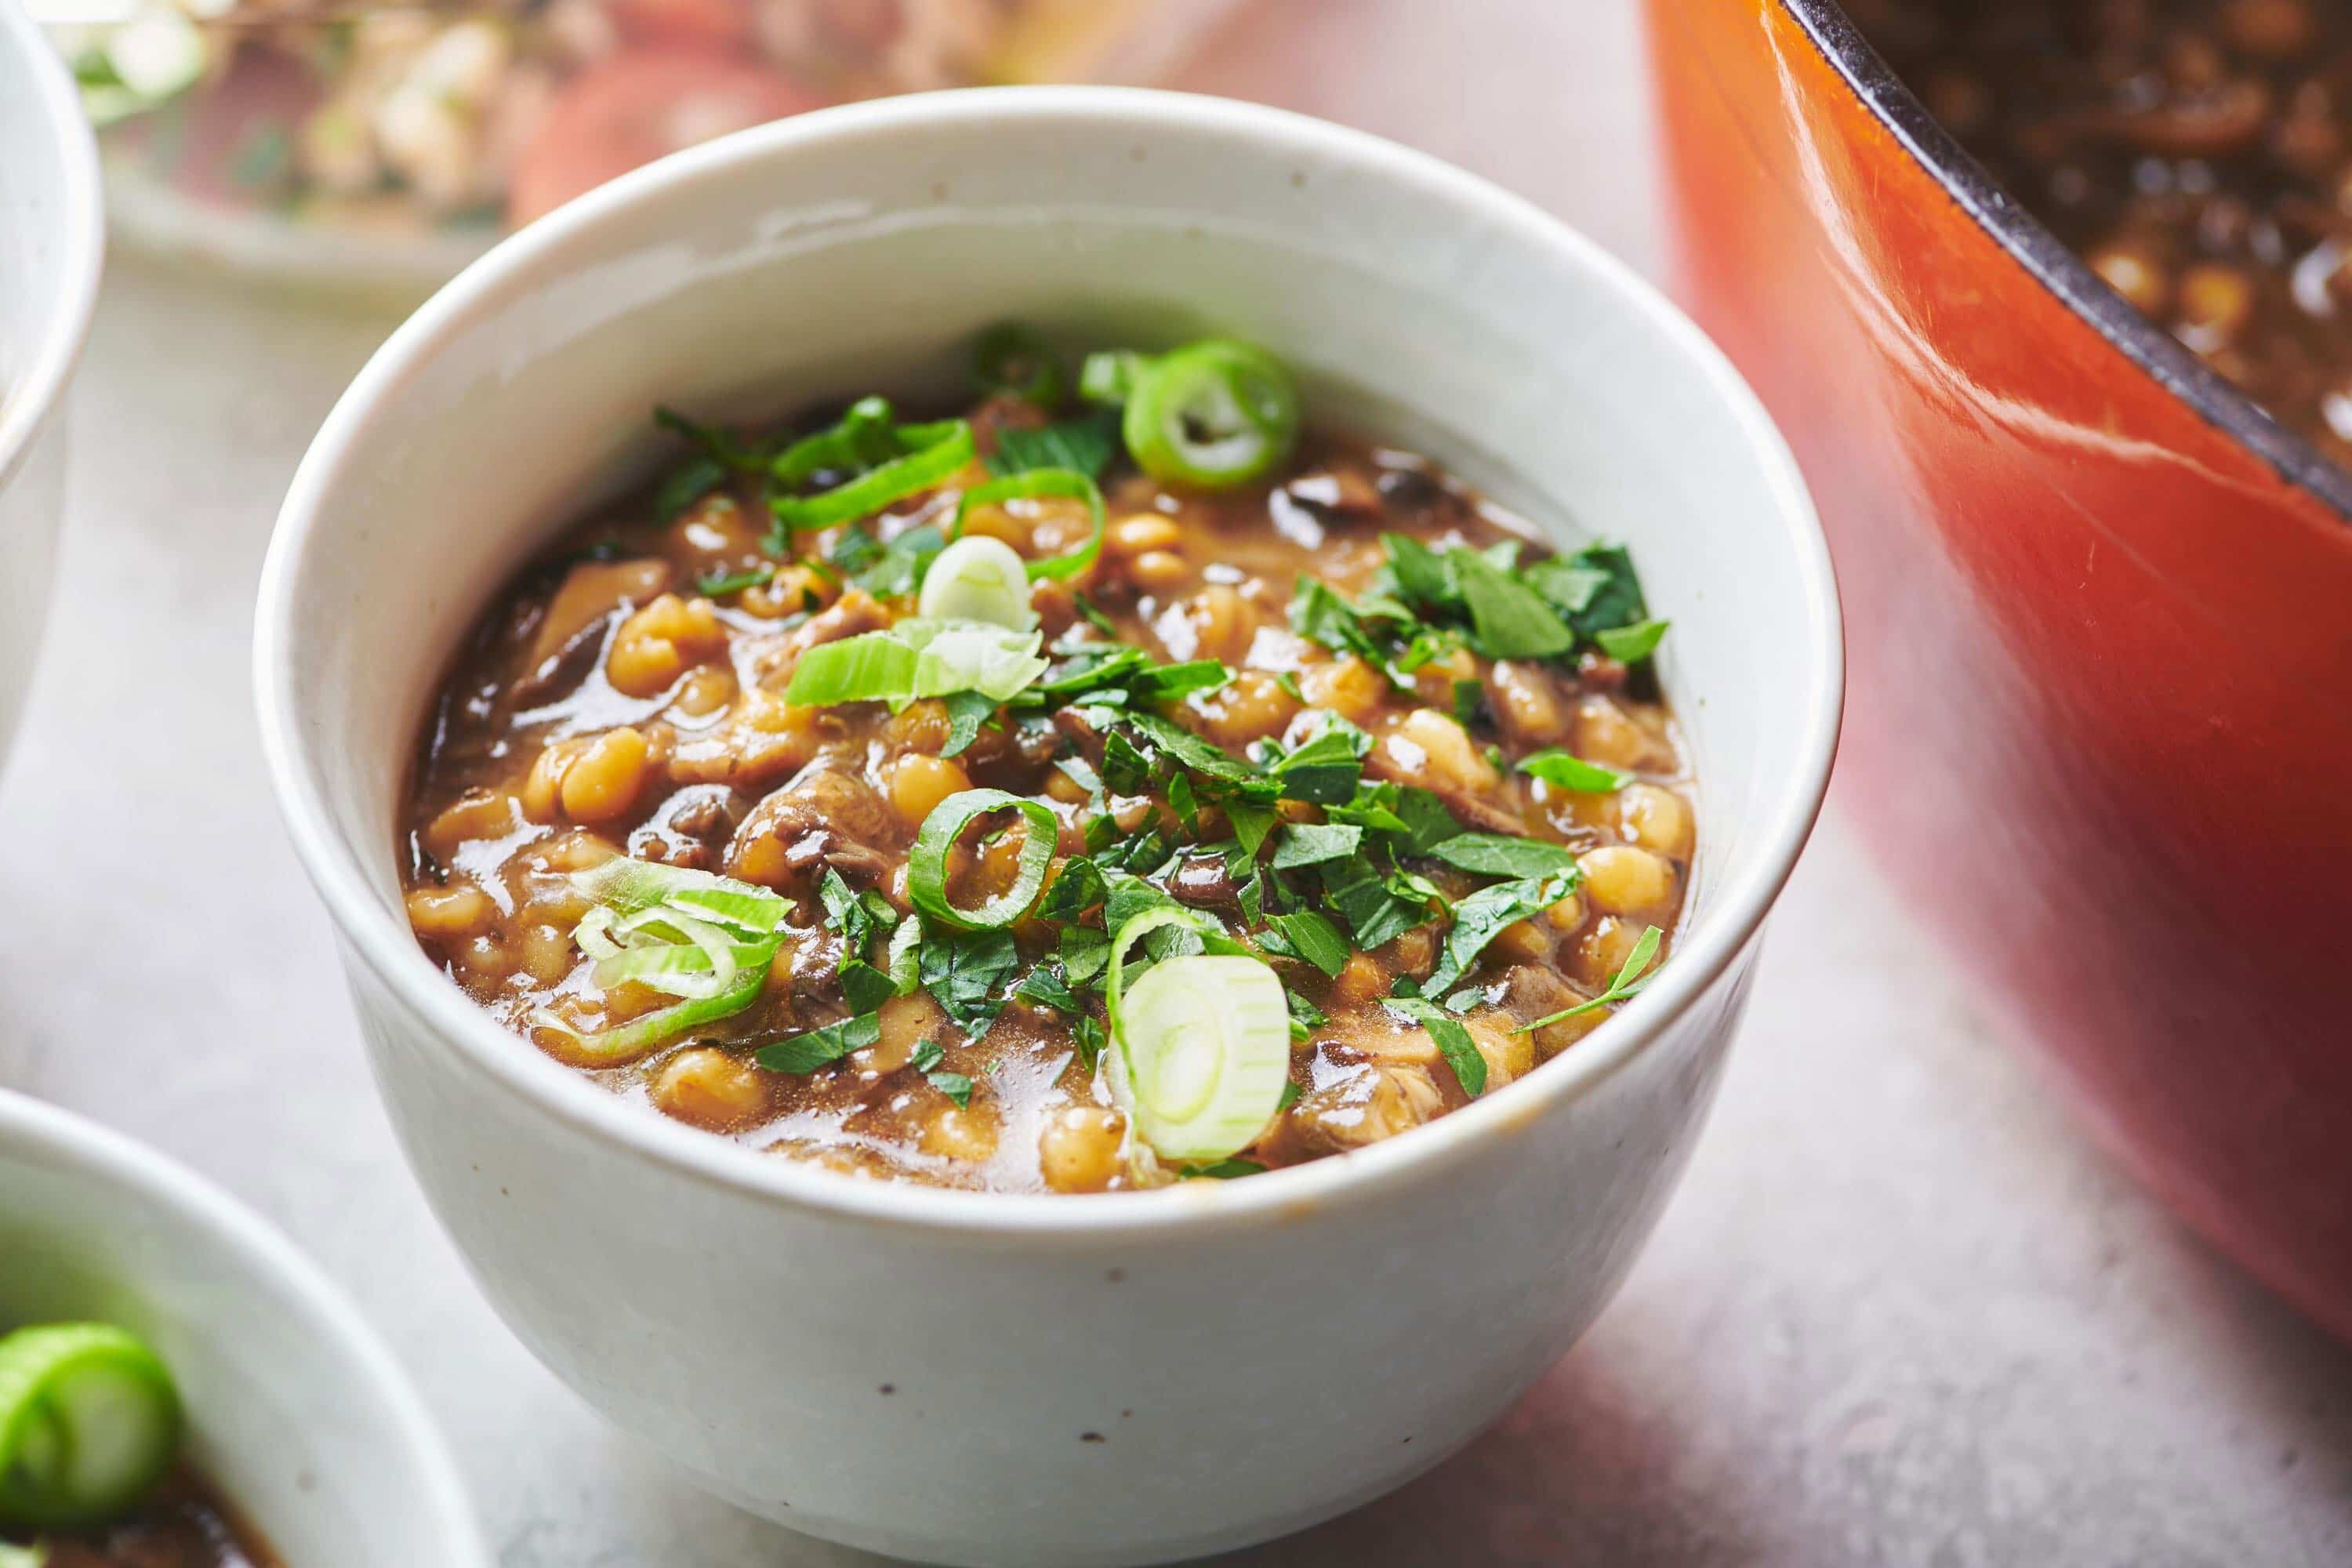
x: 782, y: 858
x: 180, y: 1389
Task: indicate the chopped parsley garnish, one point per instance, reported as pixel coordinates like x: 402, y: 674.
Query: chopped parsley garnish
x: 1290, y: 852
x: 806, y: 1053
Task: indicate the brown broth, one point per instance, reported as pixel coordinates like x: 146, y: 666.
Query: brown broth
x: 2197, y: 153
x: 717, y: 773
x: 186, y: 1524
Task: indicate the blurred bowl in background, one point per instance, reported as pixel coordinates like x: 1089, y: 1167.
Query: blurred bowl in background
x: 375, y: 150
x: 295, y: 1411
x: 2101, y: 622
x: 51, y: 250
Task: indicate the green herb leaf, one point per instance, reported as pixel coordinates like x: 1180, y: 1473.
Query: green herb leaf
x: 892, y: 571
x: 1087, y: 1034
x: 1616, y: 601
x: 1226, y: 1170
x: 718, y: 584
x: 956, y: 1086
x: 865, y: 987
x: 968, y: 973
x: 1075, y: 888
x: 1629, y: 981
x: 1015, y: 358
x: 1452, y: 1040
x: 1044, y: 986
x: 1478, y: 917
x: 1510, y: 619
x: 1314, y: 939
x: 1555, y: 766
x: 1421, y: 574
x: 1373, y: 912
x: 714, y: 441
x: 1311, y: 844
x: 1631, y: 645
x: 1084, y: 445
x: 967, y: 712
x: 1250, y: 824
x: 806, y: 1053
x: 687, y: 484
x: 1169, y: 682
x: 1495, y: 855
x: 1325, y: 768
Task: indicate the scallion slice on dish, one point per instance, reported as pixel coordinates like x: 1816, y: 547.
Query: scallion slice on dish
x: 610, y: 1048
x: 890, y: 461
x: 1213, y: 414
x: 1015, y: 357
x: 1202, y: 1052
x: 1108, y: 375
x: 1066, y: 483
x: 1199, y: 1045
x: 631, y: 886
x: 916, y: 659
x: 705, y: 939
x: 926, y: 863
x: 977, y: 579
x: 88, y: 1422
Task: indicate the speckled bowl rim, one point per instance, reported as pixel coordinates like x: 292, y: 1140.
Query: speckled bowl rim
x: 384, y: 943
x: 30, y: 392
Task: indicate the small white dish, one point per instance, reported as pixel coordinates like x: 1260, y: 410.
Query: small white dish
x: 52, y: 248
x: 971, y: 1378
x: 295, y: 1411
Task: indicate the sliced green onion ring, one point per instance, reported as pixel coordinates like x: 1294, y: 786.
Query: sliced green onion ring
x: 1015, y: 357
x: 930, y: 454
x: 1067, y: 483
x: 1202, y: 1043
x: 705, y: 939
x: 1213, y: 414
x: 90, y: 1420
x: 630, y: 886
x: 611, y: 1048
x: 1108, y: 375
x: 977, y: 579
x: 926, y: 863
x: 1134, y: 929
x: 918, y: 657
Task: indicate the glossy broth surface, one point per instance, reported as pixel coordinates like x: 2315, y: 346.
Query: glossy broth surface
x: 607, y: 705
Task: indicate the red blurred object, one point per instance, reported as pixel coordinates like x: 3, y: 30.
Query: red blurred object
x: 634, y: 108
x: 2099, y: 723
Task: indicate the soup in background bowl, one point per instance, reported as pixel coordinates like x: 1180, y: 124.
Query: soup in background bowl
x: 1025, y: 1377
x: 295, y: 1433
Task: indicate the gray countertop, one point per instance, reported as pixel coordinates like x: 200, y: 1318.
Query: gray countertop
x: 1899, y: 1313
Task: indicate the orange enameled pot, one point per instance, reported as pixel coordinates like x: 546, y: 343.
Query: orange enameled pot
x: 2100, y: 623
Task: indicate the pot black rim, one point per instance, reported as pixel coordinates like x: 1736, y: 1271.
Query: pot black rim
x: 2043, y: 253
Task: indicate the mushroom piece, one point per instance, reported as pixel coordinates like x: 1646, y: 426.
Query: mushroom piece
x: 828, y: 817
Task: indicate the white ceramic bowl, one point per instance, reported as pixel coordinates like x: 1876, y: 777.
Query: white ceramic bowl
x: 52, y: 243
x: 295, y: 1410
x: 1038, y: 1380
